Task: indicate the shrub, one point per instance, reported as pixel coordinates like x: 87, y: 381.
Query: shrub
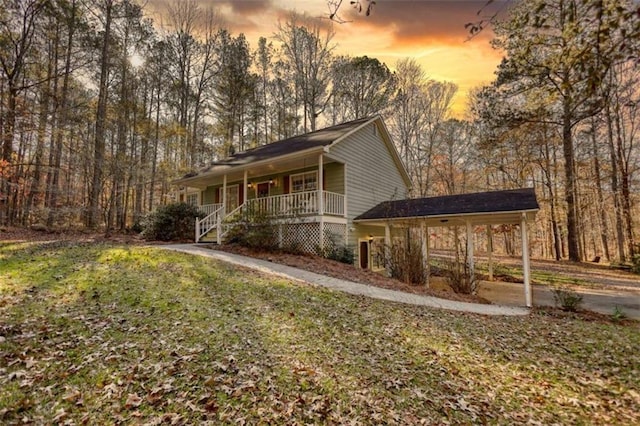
x: 567, y: 300
x: 459, y: 278
x: 336, y: 251
x: 171, y: 222
x: 254, y: 229
x: 405, y: 262
x: 341, y: 253
x: 618, y: 314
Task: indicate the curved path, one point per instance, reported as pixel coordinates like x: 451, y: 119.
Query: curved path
x: 345, y: 286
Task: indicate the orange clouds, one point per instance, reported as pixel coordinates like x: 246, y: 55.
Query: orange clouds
x: 432, y: 32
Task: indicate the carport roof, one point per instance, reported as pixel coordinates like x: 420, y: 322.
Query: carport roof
x: 480, y: 204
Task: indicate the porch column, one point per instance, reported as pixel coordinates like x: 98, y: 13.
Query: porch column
x: 490, y: 250
x: 224, y: 195
x: 387, y: 247
x: 424, y: 231
x: 245, y: 190
x: 321, y: 201
x: 525, y: 261
x: 472, y: 271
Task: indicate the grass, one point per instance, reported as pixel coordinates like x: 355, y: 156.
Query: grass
x: 104, y: 333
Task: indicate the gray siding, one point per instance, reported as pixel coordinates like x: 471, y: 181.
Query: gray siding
x: 334, y: 177
x: 371, y: 173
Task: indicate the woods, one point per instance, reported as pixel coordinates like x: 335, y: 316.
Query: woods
x: 101, y: 107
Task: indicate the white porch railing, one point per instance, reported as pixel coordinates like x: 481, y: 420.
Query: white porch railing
x: 210, y: 208
x: 209, y: 222
x: 279, y: 206
x: 333, y: 203
x: 298, y: 204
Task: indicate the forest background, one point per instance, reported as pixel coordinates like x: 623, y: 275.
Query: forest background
x: 101, y: 107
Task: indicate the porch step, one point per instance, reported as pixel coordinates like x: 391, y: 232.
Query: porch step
x: 210, y: 237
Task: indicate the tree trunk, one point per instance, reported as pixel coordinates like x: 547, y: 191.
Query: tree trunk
x: 62, y: 114
x: 101, y: 117
x: 614, y: 188
x: 570, y: 185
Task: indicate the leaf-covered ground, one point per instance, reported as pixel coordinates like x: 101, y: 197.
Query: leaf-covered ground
x: 107, y: 333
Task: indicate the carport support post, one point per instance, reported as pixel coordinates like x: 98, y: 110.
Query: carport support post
x: 490, y: 250
x: 321, y: 201
x: 387, y: 247
x: 525, y: 261
x: 424, y: 232
x: 472, y: 271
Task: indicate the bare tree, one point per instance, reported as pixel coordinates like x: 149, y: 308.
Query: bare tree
x: 307, y: 48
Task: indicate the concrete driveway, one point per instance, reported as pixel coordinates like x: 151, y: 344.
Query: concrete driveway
x: 602, y: 300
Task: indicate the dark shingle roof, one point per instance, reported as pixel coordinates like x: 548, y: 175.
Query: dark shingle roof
x: 318, y: 138
x: 479, y: 202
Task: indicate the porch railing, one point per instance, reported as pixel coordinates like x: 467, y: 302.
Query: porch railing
x: 210, y: 208
x: 210, y: 221
x: 298, y: 204
x: 333, y: 203
x: 278, y: 206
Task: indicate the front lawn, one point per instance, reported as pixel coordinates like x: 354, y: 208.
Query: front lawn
x: 107, y: 333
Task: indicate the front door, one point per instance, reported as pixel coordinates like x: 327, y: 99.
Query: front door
x: 262, y: 190
x: 364, y: 254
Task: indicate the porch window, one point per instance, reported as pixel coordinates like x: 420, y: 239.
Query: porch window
x: 233, y: 197
x: 304, y: 182
x: 192, y: 199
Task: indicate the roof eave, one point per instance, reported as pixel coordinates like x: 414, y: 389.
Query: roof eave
x: 443, y: 216
x: 247, y: 166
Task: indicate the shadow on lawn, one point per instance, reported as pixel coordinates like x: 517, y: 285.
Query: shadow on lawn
x: 135, y: 333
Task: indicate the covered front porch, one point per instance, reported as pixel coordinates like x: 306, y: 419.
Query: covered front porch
x: 301, y: 188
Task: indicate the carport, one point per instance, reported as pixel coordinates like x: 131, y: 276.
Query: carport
x: 507, y: 207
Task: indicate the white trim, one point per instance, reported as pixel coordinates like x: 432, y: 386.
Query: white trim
x: 361, y: 240
x: 525, y: 263
x: 249, y: 166
x: 255, y: 188
x: 303, y: 188
x: 448, y: 216
x: 222, y: 194
x: 245, y: 187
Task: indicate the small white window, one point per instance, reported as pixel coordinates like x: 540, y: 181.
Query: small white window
x: 192, y: 199
x: 304, y: 182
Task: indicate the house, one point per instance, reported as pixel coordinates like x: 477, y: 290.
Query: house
x: 344, y: 185
x: 313, y: 185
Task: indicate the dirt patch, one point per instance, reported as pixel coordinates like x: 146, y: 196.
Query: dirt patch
x: 332, y: 268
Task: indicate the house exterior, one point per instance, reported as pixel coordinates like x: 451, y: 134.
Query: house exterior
x: 313, y: 186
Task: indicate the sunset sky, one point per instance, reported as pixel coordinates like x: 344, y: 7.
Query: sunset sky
x: 432, y: 32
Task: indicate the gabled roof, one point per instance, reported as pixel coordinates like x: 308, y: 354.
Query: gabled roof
x: 317, y: 139
x: 514, y: 200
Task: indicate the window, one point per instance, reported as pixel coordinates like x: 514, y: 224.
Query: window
x: 304, y: 182
x: 233, y: 197
x: 192, y: 199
